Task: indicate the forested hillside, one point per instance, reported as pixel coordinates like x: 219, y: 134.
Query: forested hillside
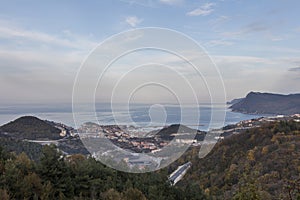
x: 78, y: 177
x: 261, y: 163
x: 32, y: 128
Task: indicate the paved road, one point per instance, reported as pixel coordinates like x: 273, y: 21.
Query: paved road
x: 180, y: 171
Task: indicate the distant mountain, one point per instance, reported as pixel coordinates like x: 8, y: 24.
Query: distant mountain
x: 32, y: 128
x: 234, y: 101
x: 267, y: 103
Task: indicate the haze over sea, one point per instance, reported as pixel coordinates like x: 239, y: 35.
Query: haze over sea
x: 139, y: 114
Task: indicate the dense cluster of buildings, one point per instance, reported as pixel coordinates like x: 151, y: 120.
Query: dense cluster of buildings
x: 257, y: 122
x: 120, y: 136
x: 154, y: 143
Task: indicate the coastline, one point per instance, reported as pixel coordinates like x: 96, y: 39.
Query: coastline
x: 141, y: 116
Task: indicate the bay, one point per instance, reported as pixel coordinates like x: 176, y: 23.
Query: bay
x: 139, y: 115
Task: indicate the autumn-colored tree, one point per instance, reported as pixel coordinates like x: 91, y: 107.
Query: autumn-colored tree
x: 133, y: 194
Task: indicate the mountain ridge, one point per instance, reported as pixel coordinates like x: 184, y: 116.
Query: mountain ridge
x: 268, y: 103
x: 31, y: 128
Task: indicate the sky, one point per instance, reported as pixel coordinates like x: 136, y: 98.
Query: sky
x: 43, y: 44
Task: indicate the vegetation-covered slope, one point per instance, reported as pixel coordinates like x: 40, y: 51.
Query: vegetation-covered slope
x: 29, y: 127
x: 78, y: 177
x: 261, y: 163
x: 32, y: 150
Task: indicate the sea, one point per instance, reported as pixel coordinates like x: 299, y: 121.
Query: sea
x: 203, y: 117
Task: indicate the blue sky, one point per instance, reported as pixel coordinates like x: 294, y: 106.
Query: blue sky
x: 255, y: 44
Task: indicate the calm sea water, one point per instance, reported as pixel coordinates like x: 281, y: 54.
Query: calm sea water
x: 141, y: 115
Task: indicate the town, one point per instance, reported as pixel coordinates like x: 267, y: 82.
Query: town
x: 122, y: 135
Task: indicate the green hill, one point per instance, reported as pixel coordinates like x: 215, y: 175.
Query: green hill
x: 32, y: 128
x: 261, y: 163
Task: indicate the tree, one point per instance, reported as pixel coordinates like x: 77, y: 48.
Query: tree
x: 133, y: 194
x: 4, y: 194
x: 247, y: 192
x: 111, y: 194
x: 53, y: 168
x: 31, y: 186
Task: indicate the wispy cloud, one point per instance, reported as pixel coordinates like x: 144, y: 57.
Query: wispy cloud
x: 276, y: 38
x: 144, y: 3
x: 171, y: 2
x: 28, y: 37
x: 133, y: 21
x: 294, y: 69
x: 269, y: 74
x: 204, y: 10
x: 214, y: 43
x: 29, y: 71
x: 250, y: 28
x: 297, y: 29
x: 32, y: 59
x: 153, y: 3
x: 256, y: 27
x: 243, y: 60
x: 220, y: 19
